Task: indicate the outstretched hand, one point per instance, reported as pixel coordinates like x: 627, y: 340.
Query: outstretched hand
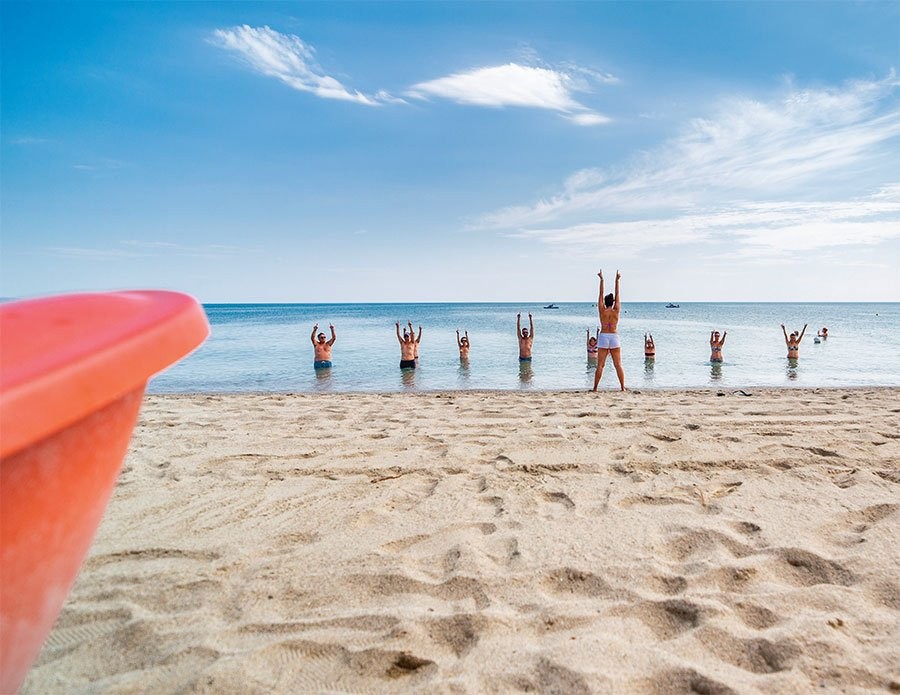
x: 600, y: 275
x: 618, y: 275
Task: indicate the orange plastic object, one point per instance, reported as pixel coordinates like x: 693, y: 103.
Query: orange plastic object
x: 73, y: 370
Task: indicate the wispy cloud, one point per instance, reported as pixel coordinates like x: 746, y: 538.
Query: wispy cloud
x: 758, y: 229
x: 134, y: 248
x: 105, y: 164
x: 25, y: 140
x: 288, y: 58
x: 515, y: 85
x: 764, y: 175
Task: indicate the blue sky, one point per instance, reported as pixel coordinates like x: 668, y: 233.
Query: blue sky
x: 452, y: 152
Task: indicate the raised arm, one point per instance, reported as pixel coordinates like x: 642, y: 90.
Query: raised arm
x: 801, y: 333
x: 722, y: 343
x: 468, y: 342
x: 530, y: 326
x: 784, y: 330
x: 419, y: 339
x: 618, y: 303
x: 333, y: 335
x: 712, y: 337
x: 518, y: 325
x: 458, y: 343
x: 312, y: 336
x: 399, y: 339
x: 600, y: 298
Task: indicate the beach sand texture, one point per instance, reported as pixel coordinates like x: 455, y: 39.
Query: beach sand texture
x: 655, y: 542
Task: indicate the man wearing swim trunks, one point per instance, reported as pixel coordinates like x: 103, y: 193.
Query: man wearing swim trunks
x: 408, y: 345
x: 322, y: 348
x: 526, y: 338
x: 608, y: 341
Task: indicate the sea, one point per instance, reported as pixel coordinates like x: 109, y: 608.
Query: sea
x: 266, y: 347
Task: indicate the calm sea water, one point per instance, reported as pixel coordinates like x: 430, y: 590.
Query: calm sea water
x: 266, y: 347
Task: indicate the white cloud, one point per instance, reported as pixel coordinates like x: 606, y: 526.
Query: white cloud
x: 288, y: 58
x: 791, y: 174
x: 761, y: 229
x: 291, y: 60
x: 513, y: 85
x: 589, y: 118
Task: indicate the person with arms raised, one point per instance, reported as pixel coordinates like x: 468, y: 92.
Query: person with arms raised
x: 608, y: 344
x: 526, y: 337
x: 322, y: 348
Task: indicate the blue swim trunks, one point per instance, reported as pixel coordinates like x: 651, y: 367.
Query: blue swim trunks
x: 322, y: 364
x: 524, y: 359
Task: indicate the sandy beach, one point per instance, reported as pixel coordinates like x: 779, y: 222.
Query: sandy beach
x: 467, y: 542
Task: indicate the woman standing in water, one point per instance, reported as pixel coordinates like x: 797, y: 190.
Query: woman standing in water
x: 463, y: 345
x: 608, y: 341
x: 649, y: 347
x: 591, y: 344
x: 716, y: 344
x: 793, y: 342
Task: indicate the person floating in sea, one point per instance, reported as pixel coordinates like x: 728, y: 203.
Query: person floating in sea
x: 526, y: 338
x: 463, y: 345
x: 823, y: 333
x: 322, y: 348
x: 408, y: 347
x: 592, y: 348
x: 608, y: 344
x: 793, y: 342
x: 649, y: 347
x: 716, y: 344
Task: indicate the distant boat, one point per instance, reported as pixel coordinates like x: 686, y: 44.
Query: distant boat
x: 551, y: 306
x: 673, y: 306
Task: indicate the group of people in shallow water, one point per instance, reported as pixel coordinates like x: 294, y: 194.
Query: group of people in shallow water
x: 604, y: 343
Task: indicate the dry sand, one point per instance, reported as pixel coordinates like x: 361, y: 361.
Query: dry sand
x: 659, y: 542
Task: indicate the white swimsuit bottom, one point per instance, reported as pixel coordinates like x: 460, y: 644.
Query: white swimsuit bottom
x: 608, y: 341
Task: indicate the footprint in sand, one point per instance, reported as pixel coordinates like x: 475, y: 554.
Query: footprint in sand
x: 561, y: 498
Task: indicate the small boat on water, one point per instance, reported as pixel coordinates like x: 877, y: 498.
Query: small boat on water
x: 551, y: 306
x: 673, y: 306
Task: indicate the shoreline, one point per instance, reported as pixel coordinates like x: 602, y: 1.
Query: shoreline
x: 696, y: 390
x: 495, y: 541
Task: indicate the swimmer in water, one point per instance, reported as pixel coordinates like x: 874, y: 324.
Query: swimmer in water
x: 322, y: 348
x: 526, y: 338
x: 592, y: 348
x: 407, y: 349
x: 649, y: 347
x: 793, y: 342
x: 463, y: 345
x: 823, y: 333
x: 608, y: 344
x: 715, y: 346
